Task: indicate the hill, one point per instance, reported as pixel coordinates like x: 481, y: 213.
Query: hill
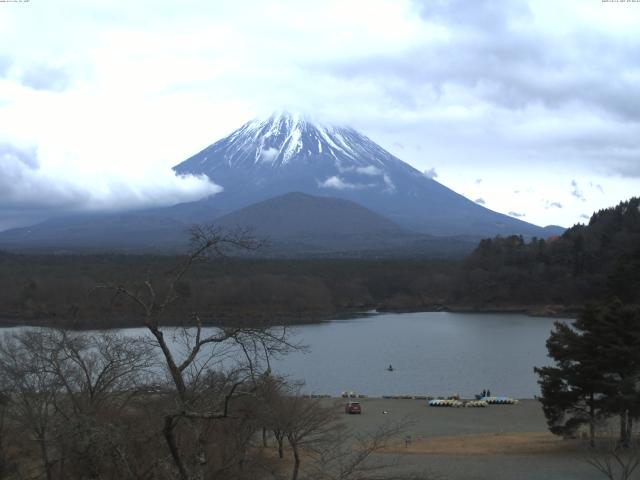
x: 144, y: 231
x: 587, y: 263
x: 296, y: 215
x: 295, y: 225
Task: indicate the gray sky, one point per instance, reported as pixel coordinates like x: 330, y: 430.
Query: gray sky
x: 529, y: 108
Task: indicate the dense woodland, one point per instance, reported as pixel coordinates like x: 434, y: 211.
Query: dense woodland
x: 548, y: 276
x: 587, y: 263
x: 59, y: 288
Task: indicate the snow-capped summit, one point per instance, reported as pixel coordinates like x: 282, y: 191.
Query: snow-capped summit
x: 338, y: 158
x: 289, y: 152
x: 278, y: 176
x: 285, y: 136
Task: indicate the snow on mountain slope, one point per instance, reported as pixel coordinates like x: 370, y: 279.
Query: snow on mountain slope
x: 290, y: 141
x: 270, y: 158
x: 287, y: 152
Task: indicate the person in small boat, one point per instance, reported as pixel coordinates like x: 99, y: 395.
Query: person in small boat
x: 390, y: 368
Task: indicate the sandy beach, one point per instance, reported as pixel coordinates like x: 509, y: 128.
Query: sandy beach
x: 499, y: 442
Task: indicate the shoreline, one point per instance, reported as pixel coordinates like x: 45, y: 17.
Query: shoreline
x: 404, y: 398
x: 548, y: 311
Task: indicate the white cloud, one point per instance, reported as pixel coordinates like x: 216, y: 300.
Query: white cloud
x: 269, y: 154
x: 113, y: 95
x: 28, y: 183
x: 431, y: 173
x: 576, y: 191
x: 597, y: 186
x: 548, y: 204
x: 45, y: 77
x: 338, y: 183
x: 369, y: 170
x: 390, y: 186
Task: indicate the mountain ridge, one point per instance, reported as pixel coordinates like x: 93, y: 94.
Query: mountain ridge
x: 286, y: 152
x: 298, y: 214
x: 270, y: 158
x: 295, y: 225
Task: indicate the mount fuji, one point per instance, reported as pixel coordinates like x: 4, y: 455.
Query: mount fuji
x: 287, y: 152
x: 312, y: 188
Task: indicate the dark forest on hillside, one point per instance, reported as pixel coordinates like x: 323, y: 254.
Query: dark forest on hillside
x: 586, y: 264
x: 554, y: 276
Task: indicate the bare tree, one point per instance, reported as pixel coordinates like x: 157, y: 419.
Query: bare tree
x: 271, y: 408
x: 314, y: 432
x: 34, y: 391
x: 97, y: 371
x: 308, y: 425
x: 66, y: 389
x: 613, y: 459
x: 354, y: 457
x: 5, y: 463
x: 100, y: 373
x: 195, y: 358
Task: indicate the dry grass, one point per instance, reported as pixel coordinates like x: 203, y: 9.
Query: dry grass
x: 487, y: 444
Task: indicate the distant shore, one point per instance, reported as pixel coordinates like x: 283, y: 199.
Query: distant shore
x: 287, y: 319
x: 559, y: 311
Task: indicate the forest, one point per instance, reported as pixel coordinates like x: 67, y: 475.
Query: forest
x: 554, y: 276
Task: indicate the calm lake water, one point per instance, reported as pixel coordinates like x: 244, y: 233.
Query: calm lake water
x: 432, y: 353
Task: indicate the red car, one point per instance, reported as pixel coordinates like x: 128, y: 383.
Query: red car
x: 353, y: 407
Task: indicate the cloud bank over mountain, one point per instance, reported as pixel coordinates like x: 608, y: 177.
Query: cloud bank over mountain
x: 30, y: 191
x: 528, y: 95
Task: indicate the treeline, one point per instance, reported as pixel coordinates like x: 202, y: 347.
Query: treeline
x: 556, y: 275
x: 61, y: 289
x: 587, y: 263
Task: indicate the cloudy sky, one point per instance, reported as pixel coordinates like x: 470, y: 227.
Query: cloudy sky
x: 529, y: 108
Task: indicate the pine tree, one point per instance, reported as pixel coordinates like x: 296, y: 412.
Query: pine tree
x: 597, y: 371
x: 615, y: 328
x: 571, y: 390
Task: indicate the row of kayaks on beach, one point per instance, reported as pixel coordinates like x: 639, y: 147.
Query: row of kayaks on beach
x: 457, y: 403
x: 500, y: 400
x: 482, y: 402
x: 407, y: 397
x: 438, y: 402
x: 352, y: 395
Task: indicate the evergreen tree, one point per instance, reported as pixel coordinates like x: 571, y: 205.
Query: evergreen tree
x: 597, y: 371
x: 614, y: 328
x: 571, y: 390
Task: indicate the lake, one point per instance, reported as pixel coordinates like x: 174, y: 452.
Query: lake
x: 432, y: 353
